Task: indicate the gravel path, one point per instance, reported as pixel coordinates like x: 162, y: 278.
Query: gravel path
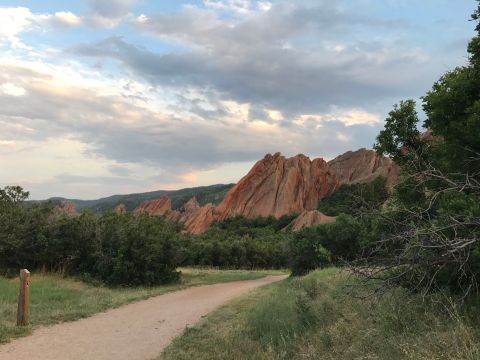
x: 136, y: 331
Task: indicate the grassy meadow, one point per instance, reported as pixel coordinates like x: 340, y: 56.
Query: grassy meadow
x: 325, y: 315
x: 55, y: 298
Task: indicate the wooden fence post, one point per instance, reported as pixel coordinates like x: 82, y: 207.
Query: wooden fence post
x: 23, y: 298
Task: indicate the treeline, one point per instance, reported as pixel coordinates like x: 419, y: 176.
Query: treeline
x: 127, y: 249
x: 118, y: 250
x: 241, y: 243
x: 132, y: 250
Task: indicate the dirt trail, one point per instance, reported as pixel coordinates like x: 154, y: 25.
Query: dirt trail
x: 136, y: 331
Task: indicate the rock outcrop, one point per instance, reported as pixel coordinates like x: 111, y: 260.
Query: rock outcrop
x: 195, y: 218
x: 277, y: 186
x: 154, y: 207
x: 363, y: 166
x: 189, y: 209
x: 174, y: 215
x: 310, y: 218
x: 200, y: 220
x: 120, y: 209
x: 67, y: 207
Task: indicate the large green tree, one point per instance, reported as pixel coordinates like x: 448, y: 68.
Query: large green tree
x: 434, y: 217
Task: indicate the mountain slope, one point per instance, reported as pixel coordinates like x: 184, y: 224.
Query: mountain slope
x: 205, y: 194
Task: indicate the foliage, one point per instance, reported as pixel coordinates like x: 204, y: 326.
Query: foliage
x: 133, y: 250
x: 433, y: 219
x: 336, y: 243
x: 240, y: 243
x: 356, y: 199
x: 307, y: 253
x: 117, y: 249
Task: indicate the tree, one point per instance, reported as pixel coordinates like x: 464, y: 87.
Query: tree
x: 13, y: 195
x: 433, y: 219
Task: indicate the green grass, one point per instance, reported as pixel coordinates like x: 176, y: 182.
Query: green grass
x: 325, y: 315
x: 56, y: 299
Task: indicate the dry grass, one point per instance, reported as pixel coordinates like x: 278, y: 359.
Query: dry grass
x: 317, y: 317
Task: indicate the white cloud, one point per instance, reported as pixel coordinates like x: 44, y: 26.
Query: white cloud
x: 238, y: 7
x: 17, y: 20
x: 12, y: 89
x: 14, y: 21
x: 264, y: 5
x: 62, y: 19
x: 352, y: 117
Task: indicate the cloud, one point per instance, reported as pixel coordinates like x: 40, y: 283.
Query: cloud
x: 17, y: 20
x: 14, y: 21
x: 62, y: 19
x: 238, y: 7
x: 12, y: 89
x: 295, y: 57
x: 115, y: 128
x: 120, y: 170
x: 111, y: 8
x: 220, y: 82
x: 108, y: 13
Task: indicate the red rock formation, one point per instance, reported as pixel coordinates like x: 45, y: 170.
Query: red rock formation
x: 363, y: 166
x: 310, y: 218
x: 189, y: 209
x: 196, y: 219
x: 67, y: 207
x: 200, y: 220
x: 174, y: 215
x: 277, y: 186
x: 120, y: 209
x: 155, y: 207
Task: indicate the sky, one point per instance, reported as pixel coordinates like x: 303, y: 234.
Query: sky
x: 121, y: 96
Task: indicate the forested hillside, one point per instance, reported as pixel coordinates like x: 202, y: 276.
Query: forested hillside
x: 205, y: 194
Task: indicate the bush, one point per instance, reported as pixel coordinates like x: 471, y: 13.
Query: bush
x: 307, y: 253
x: 131, y: 250
x: 117, y: 249
x: 356, y: 199
x: 240, y: 243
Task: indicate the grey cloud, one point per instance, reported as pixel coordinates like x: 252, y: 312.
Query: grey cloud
x: 112, y: 9
x: 93, y: 180
x: 120, y: 170
x: 270, y: 59
x: 172, y: 145
x: 85, y: 187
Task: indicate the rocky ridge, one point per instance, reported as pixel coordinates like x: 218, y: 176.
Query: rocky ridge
x: 277, y: 186
x: 155, y: 207
x: 363, y: 166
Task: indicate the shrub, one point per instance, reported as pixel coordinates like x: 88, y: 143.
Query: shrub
x: 356, y: 199
x: 240, y: 243
x: 306, y: 252
x: 117, y: 249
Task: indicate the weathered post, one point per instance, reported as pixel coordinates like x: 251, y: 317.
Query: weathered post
x: 23, y: 298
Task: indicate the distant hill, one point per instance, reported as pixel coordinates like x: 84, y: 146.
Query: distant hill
x: 204, y: 194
